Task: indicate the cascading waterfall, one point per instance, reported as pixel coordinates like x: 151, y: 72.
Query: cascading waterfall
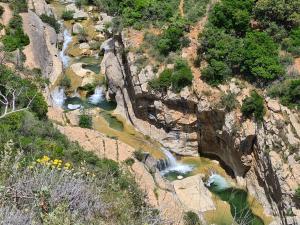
x: 67, y: 40
x: 58, y: 96
x: 97, y: 97
x: 218, y: 182
x: 172, y: 165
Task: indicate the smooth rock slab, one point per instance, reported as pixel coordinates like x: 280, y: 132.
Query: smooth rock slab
x: 193, y: 194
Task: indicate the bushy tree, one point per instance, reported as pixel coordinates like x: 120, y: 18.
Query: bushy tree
x: 261, y: 57
x: 216, y: 72
x: 282, y: 12
x: 292, y: 42
x: 178, y: 78
x: 15, y: 37
x: 171, y: 39
x: 253, y: 105
x: 232, y: 15
x: 163, y: 82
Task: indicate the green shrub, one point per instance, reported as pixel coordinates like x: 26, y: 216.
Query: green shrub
x: 229, y: 101
x: 80, y: 3
x: 163, y: 82
x: 191, y: 218
x: 1, y: 10
x: 129, y: 161
x: 216, y: 72
x: 139, y: 155
x: 67, y: 15
x: 297, y: 193
x: 182, y: 75
x: 18, y: 6
x: 232, y: 15
x: 253, y: 106
x: 292, y: 43
x: 15, y: 37
x: 171, y: 40
x: 65, y: 82
x: 261, y: 63
x: 85, y: 121
x: 178, y: 78
x: 288, y: 92
x: 51, y: 21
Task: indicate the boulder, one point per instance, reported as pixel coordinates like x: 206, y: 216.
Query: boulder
x: 77, y: 28
x: 80, y: 15
x: 273, y: 105
x: 193, y: 194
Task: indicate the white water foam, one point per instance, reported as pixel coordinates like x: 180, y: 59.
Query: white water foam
x: 67, y: 40
x: 217, y: 181
x: 97, y: 97
x: 58, y: 96
x: 174, y: 165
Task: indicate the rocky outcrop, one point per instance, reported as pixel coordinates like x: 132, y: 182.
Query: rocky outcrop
x: 41, y: 52
x: 189, y: 125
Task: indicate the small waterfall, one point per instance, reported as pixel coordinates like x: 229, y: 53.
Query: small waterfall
x: 172, y: 165
x: 97, y: 97
x: 58, y: 96
x: 67, y: 40
x: 218, y: 182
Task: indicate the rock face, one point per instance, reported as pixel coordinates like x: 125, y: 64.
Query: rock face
x: 41, y: 52
x: 189, y: 125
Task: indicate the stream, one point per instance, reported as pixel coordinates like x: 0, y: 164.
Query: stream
x: 231, y: 202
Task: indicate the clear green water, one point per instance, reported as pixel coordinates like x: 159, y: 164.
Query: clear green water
x: 113, y: 122
x: 173, y: 175
x: 93, y: 67
x: 239, y: 206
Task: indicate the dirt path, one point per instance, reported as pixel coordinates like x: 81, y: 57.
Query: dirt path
x: 297, y: 64
x: 181, y: 8
x: 190, y: 53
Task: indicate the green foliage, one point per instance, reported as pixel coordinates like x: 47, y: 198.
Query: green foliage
x: 182, y: 75
x: 15, y: 37
x: 297, y: 193
x: 85, y: 121
x: 261, y: 57
x: 1, y: 10
x: 67, y: 15
x: 65, y: 82
x: 138, y: 12
x: 178, y: 78
x: 229, y: 101
x: 18, y: 6
x: 139, y: 155
x: 253, y: 106
x: 163, y: 82
x: 80, y: 3
x: 216, y: 72
x: 171, y: 40
x: 28, y: 91
x: 286, y: 13
x: 191, y: 218
x: 51, y: 21
x: 288, y: 92
x: 232, y: 15
x: 292, y: 43
x: 194, y: 9
x: 129, y: 161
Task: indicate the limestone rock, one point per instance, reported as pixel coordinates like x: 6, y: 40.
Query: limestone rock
x: 77, y: 28
x: 274, y: 105
x: 193, y: 194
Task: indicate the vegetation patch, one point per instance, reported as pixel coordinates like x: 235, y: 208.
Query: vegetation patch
x: 178, y: 78
x: 253, y: 105
x: 15, y: 37
x: 51, y: 21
